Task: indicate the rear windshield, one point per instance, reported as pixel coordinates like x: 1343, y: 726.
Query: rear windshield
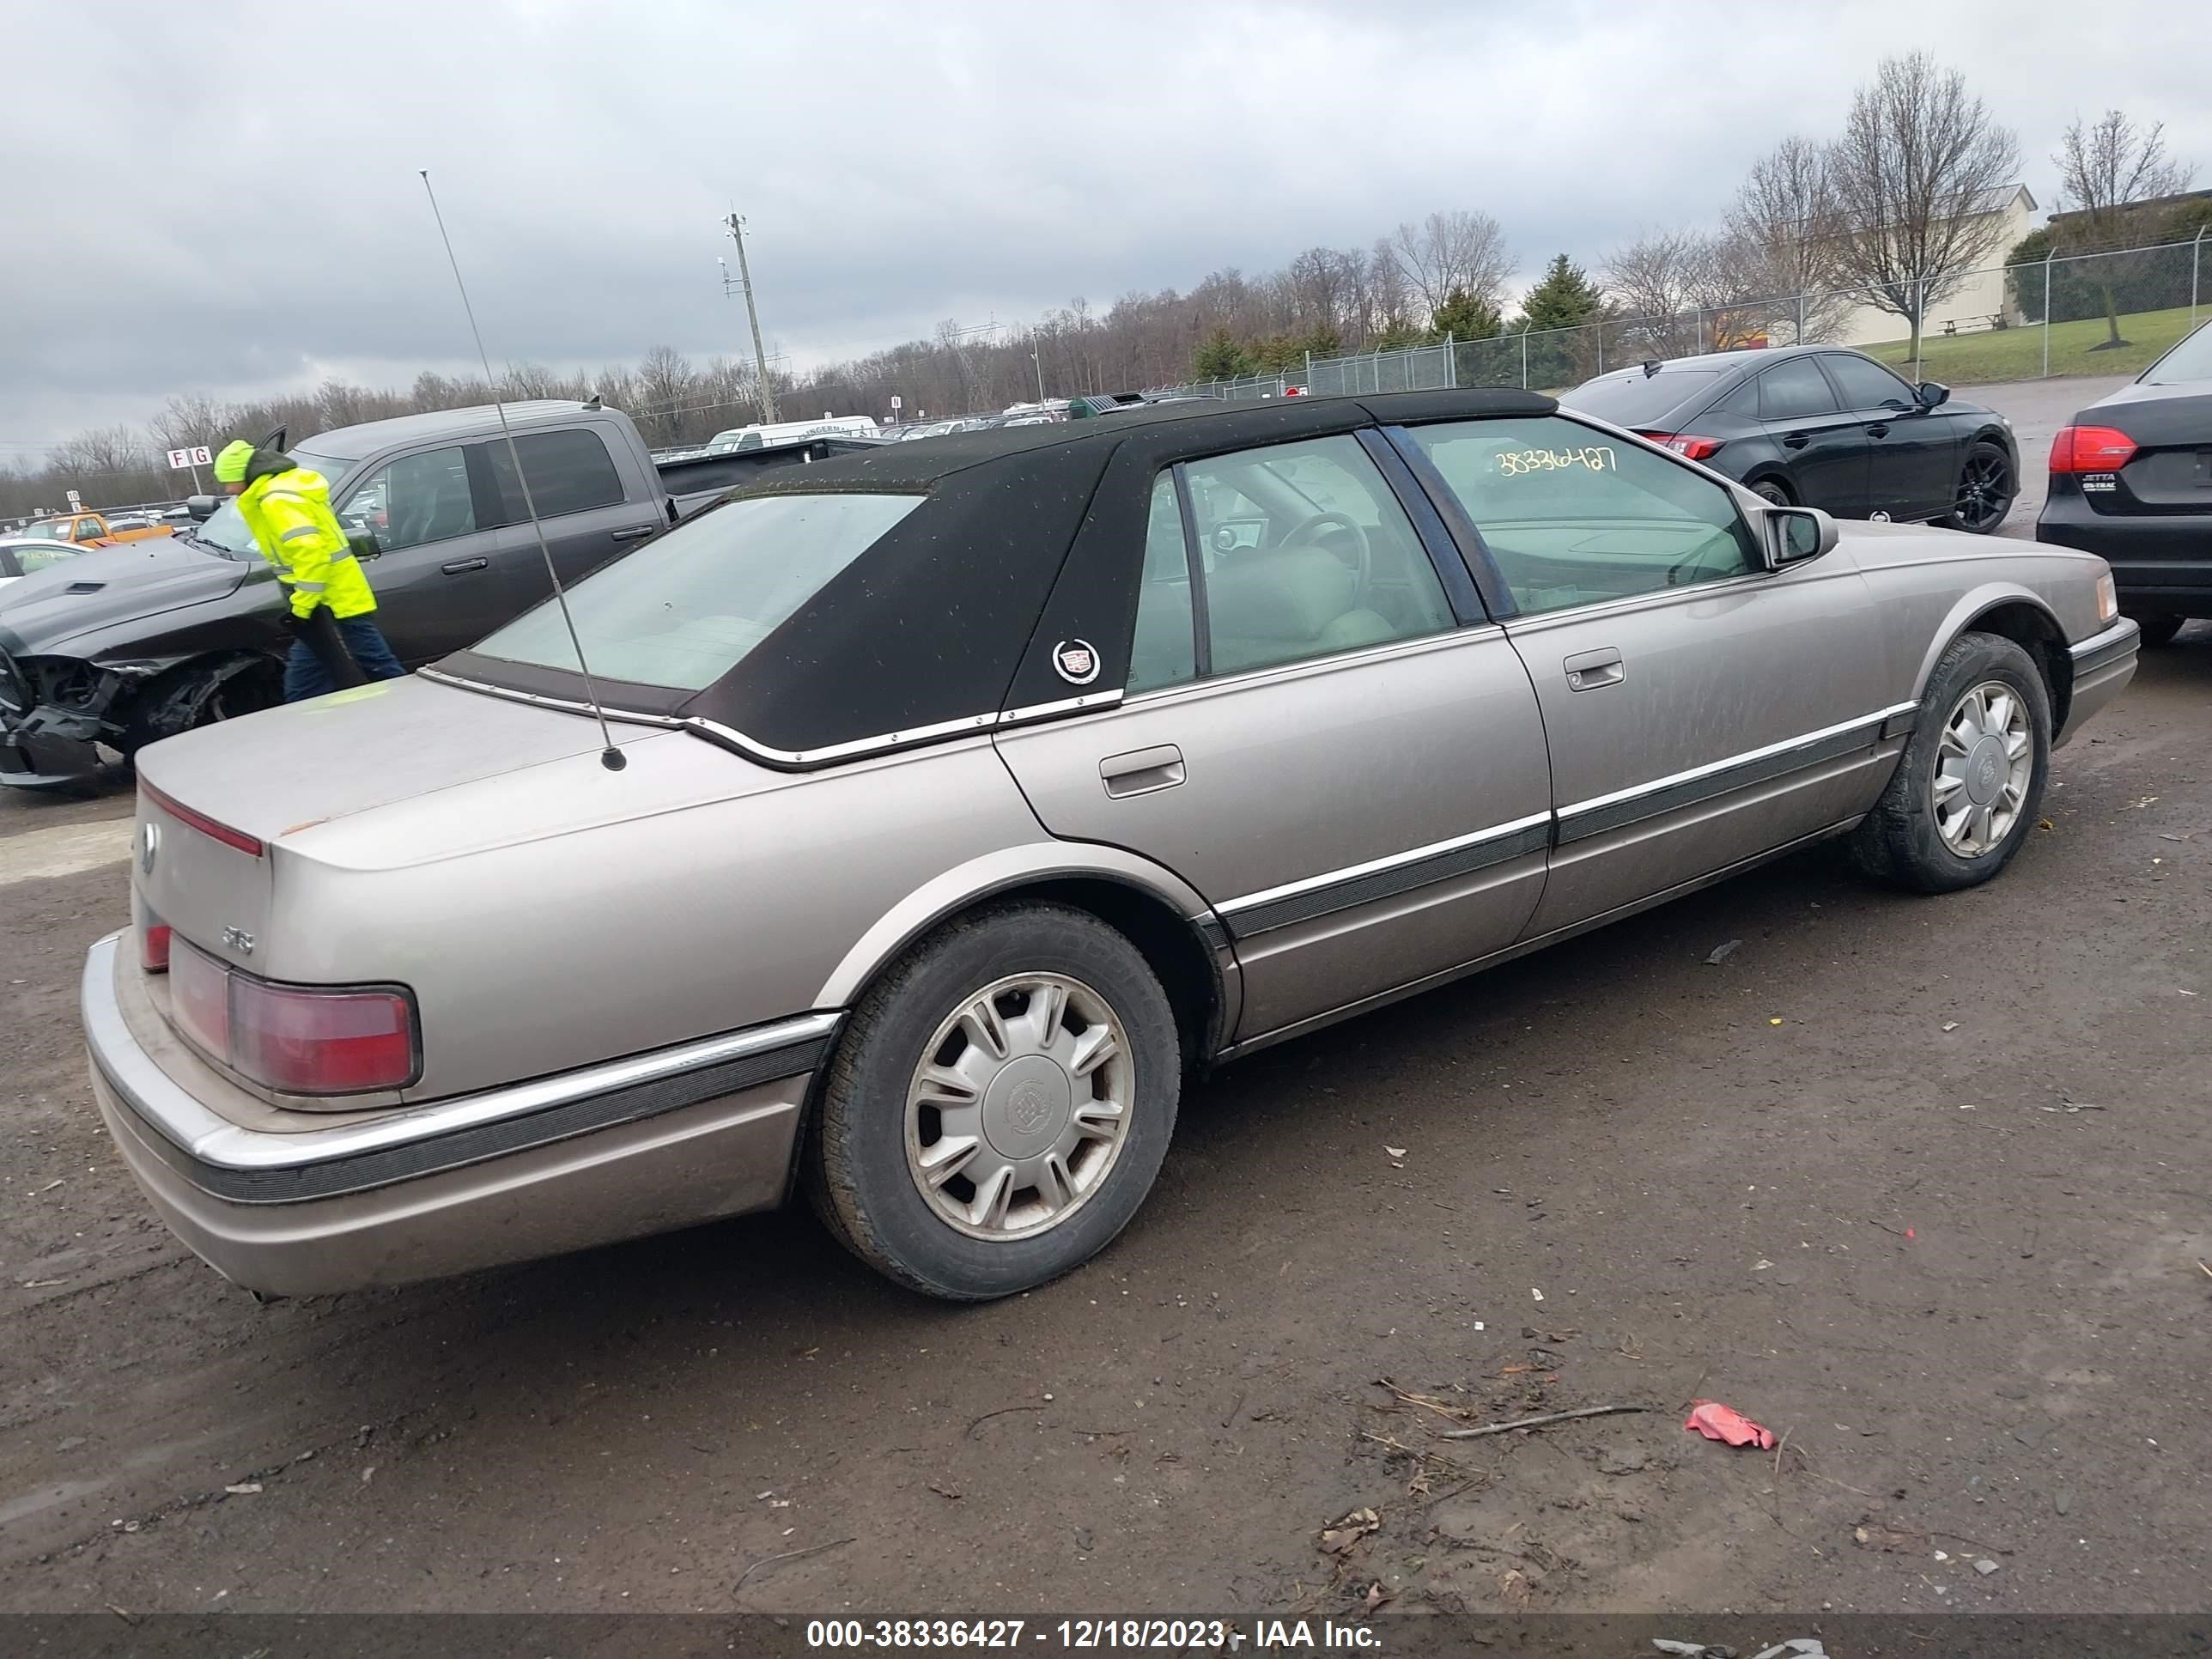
x: 690, y: 605
x: 1636, y: 397
x: 2190, y: 360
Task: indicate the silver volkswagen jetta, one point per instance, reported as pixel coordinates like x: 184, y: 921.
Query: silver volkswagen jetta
x: 978, y: 793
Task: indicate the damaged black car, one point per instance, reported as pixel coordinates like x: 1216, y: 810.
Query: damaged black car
x: 123, y: 646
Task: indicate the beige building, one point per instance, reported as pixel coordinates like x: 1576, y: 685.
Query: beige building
x: 1976, y: 302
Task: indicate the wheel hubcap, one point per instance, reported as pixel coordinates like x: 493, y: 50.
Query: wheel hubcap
x: 1020, y: 1106
x: 1984, y: 763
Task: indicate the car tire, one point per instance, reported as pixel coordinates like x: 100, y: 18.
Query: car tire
x: 1957, y: 809
x: 894, y: 1096
x: 2159, y: 627
x: 1988, y: 483
x: 1774, y: 493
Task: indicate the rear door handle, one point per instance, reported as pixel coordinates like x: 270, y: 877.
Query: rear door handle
x: 1142, y: 771
x: 1796, y: 441
x: 462, y: 566
x: 635, y: 532
x: 1879, y: 429
x: 1590, y: 671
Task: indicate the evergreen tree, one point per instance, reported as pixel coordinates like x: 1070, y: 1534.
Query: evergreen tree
x: 1223, y: 357
x: 1463, y: 316
x: 1566, y: 298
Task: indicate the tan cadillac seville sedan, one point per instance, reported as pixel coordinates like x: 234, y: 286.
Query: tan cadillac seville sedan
x: 977, y: 794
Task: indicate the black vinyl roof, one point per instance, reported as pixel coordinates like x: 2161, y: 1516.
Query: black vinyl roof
x: 1075, y: 446
x: 1028, y: 534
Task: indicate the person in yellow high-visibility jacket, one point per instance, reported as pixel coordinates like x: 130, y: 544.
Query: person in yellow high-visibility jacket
x: 288, y: 508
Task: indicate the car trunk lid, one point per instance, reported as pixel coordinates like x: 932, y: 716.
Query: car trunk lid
x: 216, y: 804
x: 2171, y: 470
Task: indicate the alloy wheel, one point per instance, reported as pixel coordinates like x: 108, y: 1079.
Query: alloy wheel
x: 1985, y: 491
x: 1020, y: 1106
x: 1984, y: 762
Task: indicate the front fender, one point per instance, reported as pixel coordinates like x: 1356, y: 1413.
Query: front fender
x: 1001, y: 872
x: 1975, y: 603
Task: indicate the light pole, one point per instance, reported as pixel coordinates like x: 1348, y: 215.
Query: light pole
x: 1036, y: 357
x: 736, y: 229
x: 2195, y: 261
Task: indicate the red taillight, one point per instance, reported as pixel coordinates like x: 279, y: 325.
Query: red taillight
x: 1688, y: 445
x: 199, y: 999
x: 320, y: 1042
x: 297, y: 1039
x: 2091, y: 449
x: 201, y: 821
x: 154, y: 947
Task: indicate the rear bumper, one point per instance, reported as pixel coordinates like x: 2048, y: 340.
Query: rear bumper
x: 2160, y: 562
x: 2103, y: 665
x: 642, y: 1146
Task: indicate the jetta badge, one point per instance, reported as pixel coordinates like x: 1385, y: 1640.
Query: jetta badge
x: 1076, y: 661
x: 149, y: 847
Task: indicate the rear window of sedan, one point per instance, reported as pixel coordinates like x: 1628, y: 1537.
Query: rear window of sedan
x: 690, y: 605
x: 1634, y: 399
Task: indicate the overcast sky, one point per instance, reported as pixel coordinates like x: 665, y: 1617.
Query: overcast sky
x: 222, y: 198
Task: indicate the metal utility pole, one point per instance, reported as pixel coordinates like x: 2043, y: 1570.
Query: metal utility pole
x: 1036, y: 357
x: 737, y: 228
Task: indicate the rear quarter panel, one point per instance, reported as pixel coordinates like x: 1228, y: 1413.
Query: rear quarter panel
x: 563, y: 914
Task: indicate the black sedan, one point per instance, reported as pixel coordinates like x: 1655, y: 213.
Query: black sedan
x: 1820, y: 426
x: 2131, y: 479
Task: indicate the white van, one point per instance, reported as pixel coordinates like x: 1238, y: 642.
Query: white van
x: 758, y: 437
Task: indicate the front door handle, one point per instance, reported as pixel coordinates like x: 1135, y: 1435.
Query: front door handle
x: 462, y: 566
x: 1796, y: 441
x: 1590, y: 671
x: 1141, y: 771
x: 1879, y: 429
x: 635, y: 532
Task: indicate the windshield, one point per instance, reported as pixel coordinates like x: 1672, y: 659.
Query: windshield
x: 225, y: 530
x: 2190, y: 360
x: 50, y: 530
x: 1636, y: 397
x: 690, y: 605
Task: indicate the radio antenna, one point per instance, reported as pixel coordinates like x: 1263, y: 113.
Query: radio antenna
x: 610, y: 756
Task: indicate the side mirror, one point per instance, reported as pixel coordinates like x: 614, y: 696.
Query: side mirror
x: 1795, y: 534
x: 201, y: 508
x: 1934, y: 393
x: 363, y: 542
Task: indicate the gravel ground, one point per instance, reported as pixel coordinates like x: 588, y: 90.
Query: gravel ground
x: 1917, y: 1181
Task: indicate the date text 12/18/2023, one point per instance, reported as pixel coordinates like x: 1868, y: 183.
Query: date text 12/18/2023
x: 1091, y: 1635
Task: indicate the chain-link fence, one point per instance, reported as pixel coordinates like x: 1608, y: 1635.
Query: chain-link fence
x: 2091, y: 313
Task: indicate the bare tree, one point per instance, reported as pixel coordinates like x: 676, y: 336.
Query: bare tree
x: 2106, y: 167
x: 1460, y: 252
x: 1781, y: 238
x: 1388, y: 294
x: 1661, y: 285
x: 1919, y: 176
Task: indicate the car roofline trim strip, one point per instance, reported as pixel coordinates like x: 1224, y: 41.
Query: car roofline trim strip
x: 215, y: 1142
x: 567, y: 706
x: 729, y: 737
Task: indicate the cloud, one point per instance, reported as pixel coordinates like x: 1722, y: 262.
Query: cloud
x: 242, y: 208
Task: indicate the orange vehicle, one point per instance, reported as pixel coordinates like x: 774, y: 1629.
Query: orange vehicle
x: 90, y: 530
